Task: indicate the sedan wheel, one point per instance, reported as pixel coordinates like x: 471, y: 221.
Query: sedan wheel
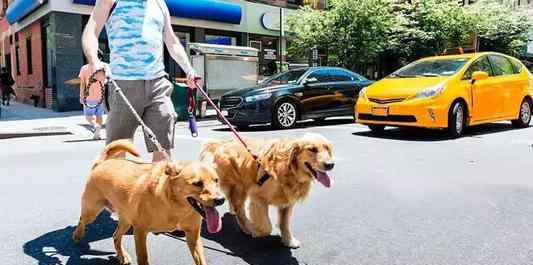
x: 285, y: 115
x: 524, y: 118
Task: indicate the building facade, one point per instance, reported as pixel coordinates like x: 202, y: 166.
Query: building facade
x: 41, y: 39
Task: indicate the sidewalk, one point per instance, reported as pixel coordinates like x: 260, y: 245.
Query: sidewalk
x: 21, y: 118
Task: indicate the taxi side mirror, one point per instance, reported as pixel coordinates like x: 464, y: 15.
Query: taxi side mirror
x: 479, y: 75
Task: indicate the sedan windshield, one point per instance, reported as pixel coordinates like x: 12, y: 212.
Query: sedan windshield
x: 430, y: 68
x: 289, y: 77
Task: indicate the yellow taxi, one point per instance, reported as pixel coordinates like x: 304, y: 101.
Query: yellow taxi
x: 450, y: 92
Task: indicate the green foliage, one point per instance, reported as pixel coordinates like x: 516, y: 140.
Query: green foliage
x: 501, y: 28
x: 352, y: 32
x: 308, y: 27
x: 358, y: 32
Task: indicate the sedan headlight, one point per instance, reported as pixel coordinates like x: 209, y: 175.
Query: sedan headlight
x: 430, y: 92
x: 258, y: 97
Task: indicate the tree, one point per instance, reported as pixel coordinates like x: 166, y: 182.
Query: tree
x: 428, y: 27
x: 307, y: 28
x: 351, y: 32
x: 358, y: 32
x: 501, y: 28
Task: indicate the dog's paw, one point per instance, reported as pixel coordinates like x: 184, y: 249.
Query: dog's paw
x: 256, y: 233
x: 77, y: 236
x: 244, y: 228
x: 291, y: 242
x: 260, y: 234
x: 124, y: 260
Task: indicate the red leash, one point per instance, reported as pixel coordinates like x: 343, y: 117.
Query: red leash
x: 224, y: 119
x: 264, y: 178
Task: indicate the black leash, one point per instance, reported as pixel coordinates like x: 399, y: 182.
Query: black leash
x: 86, y: 92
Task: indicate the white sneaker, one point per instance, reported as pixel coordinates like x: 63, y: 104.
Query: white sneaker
x: 97, y: 133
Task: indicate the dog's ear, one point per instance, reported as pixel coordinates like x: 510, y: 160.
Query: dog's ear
x: 295, y: 150
x: 162, y: 185
x: 168, y: 172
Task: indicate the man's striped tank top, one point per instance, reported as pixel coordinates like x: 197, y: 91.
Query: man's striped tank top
x: 135, y: 35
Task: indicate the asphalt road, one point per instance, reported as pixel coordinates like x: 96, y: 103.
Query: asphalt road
x: 407, y: 197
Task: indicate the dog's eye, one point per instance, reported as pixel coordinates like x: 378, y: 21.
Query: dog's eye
x: 198, y: 184
x: 313, y: 150
x: 216, y: 180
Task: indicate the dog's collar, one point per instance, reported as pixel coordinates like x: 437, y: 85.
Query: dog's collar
x: 263, y: 179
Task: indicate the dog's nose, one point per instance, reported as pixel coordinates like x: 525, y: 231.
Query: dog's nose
x: 219, y: 201
x: 329, y: 165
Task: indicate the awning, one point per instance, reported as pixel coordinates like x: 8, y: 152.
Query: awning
x: 18, y: 9
x: 212, y: 10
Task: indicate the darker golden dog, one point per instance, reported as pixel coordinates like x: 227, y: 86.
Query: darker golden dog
x: 157, y: 197
x: 292, y: 164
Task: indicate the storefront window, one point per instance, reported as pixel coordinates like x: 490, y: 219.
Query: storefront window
x: 268, y: 53
x: 221, y: 40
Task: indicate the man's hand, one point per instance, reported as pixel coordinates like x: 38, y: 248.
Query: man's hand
x: 193, y: 79
x: 95, y: 66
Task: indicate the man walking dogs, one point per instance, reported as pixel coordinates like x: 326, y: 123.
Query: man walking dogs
x: 136, y: 31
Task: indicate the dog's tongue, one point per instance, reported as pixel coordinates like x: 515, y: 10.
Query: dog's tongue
x: 214, y: 224
x: 324, y: 178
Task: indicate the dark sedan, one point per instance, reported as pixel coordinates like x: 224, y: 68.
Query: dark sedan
x: 300, y: 94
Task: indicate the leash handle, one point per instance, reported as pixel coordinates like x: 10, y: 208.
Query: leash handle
x: 193, y: 127
x: 86, y: 92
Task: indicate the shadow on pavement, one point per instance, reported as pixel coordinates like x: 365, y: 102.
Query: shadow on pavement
x: 84, y: 140
x: 31, y: 134
x: 89, y: 127
x: 300, y: 125
x: 53, y: 247
x: 428, y: 135
x: 257, y: 251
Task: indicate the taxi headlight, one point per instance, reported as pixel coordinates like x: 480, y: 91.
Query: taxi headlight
x: 430, y: 92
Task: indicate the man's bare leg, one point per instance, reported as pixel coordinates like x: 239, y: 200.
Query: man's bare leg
x: 159, y: 156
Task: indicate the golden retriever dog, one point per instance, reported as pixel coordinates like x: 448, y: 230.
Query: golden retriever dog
x: 292, y: 165
x: 150, y: 197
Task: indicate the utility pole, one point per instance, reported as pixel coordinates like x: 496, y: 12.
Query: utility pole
x: 280, y: 39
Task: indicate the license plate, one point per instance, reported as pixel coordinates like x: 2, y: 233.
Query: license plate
x: 224, y: 113
x: 380, y: 111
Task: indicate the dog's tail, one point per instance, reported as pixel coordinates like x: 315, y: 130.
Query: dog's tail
x: 209, y: 149
x: 115, y: 148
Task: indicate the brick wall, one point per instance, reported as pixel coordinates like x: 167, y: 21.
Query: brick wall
x: 28, y: 84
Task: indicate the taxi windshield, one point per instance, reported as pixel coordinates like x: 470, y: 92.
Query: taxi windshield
x: 430, y: 68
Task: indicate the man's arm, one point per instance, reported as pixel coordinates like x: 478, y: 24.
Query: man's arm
x: 82, y: 90
x: 92, y: 32
x: 175, y: 49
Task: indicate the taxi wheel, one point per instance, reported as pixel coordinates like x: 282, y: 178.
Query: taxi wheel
x: 524, y: 118
x: 456, y: 120
x: 376, y: 128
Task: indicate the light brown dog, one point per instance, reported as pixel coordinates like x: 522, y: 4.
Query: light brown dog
x: 291, y: 164
x: 151, y: 198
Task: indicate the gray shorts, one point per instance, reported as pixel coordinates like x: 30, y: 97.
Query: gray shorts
x: 151, y: 100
